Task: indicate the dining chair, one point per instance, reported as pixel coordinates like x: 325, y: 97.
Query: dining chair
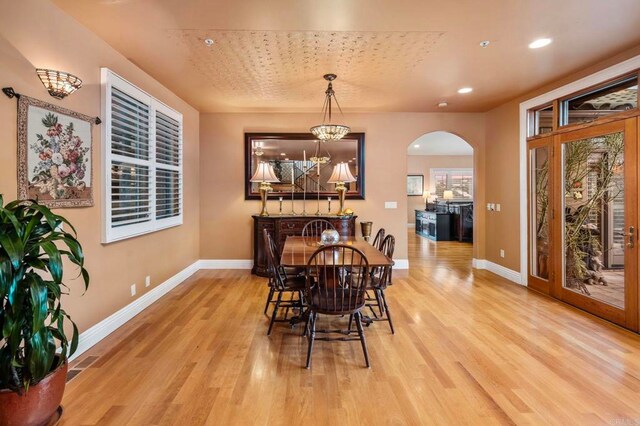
x: 280, y: 283
x: 377, y: 241
x: 380, y: 278
x: 316, y: 227
x: 332, y: 289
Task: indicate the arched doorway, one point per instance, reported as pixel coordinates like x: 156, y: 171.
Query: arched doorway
x: 441, y: 194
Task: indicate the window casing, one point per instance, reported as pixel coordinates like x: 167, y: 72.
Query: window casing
x: 142, y: 161
x: 460, y: 181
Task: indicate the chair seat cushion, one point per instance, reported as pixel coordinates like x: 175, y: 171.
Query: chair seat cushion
x: 338, y: 303
x: 295, y: 283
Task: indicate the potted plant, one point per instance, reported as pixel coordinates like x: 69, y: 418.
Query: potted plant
x: 34, y: 344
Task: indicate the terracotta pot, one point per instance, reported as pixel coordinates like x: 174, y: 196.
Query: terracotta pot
x: 38, y: 405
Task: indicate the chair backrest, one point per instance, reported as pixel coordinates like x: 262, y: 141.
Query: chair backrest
x: 275, y: 271
x: 337, y: 277
x: 381, y: 276
x: 316, y: 227
x: 377, y: 241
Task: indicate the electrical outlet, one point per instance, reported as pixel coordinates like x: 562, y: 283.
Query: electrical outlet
x: 390, y: 204
x: 147, y: 281
x: 501, y: 253
x: 497, y: 207
x: 133, y: 289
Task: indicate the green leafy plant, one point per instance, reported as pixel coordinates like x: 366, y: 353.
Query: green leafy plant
x: 32, y: 248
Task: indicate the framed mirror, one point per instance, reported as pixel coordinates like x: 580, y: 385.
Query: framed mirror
x: 294, y: 155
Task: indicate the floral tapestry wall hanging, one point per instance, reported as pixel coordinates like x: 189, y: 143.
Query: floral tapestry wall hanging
x: 54, y: 154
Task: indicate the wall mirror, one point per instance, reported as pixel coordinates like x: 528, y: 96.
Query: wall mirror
x: 293, y: 154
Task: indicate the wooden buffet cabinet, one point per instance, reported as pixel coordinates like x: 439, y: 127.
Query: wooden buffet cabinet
x: 281, y: 227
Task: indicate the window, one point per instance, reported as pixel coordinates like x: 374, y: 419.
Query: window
x: 142, y: 161
x: 541, y: 121
x: 612, y: 98
x: 460, y: 181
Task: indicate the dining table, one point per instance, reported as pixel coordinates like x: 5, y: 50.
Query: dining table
x: 297, y: 251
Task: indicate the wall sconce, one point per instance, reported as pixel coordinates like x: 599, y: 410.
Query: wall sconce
x: 59, y: 83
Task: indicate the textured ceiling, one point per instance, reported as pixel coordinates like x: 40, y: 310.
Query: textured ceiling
x: 272, y: 67
x: 390, y: 55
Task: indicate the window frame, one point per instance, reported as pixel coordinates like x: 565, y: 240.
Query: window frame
x: 449, y: 170
x: 110, y: 79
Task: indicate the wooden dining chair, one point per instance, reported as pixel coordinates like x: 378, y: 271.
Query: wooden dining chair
x: 281, y: 284
x: 333, y: 289
x: 377, y: 241
x: 315, y: 228
x: 380, y: 278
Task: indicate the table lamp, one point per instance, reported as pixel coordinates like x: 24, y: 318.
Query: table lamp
x: 340, y: 175
x: 426, y: 195
x: 265, y: 175
x: 448, y: 196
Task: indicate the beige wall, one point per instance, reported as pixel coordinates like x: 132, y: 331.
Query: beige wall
x: 225, y: 217
x: 35, y: 33
x: 422, y: 165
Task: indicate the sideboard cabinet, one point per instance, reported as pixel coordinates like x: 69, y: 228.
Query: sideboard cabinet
x: 280, y: 227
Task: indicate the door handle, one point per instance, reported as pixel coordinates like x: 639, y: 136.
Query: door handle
x: 631, y: 235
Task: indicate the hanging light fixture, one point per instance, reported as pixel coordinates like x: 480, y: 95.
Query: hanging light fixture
x: 59, y: 83
x: 327, y: 131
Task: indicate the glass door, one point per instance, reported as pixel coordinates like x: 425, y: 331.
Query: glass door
x: 597, y: 203
x: 540, y: 214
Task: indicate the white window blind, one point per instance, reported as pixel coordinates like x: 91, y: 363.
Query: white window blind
x: 460, y: 181
x: 142, y: 154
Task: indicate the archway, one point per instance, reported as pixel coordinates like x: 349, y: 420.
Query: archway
x: 441, y: 188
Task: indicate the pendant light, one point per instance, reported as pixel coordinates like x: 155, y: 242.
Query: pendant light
x: 327, y: 131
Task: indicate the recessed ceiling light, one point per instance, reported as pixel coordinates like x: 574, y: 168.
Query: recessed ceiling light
x: 208, y: 41
x: 485, y: 43
x: 443, y: 104
x: 541, y: 42
x: 465, y: 90
x: 416, y: 146
x: 283, y: 153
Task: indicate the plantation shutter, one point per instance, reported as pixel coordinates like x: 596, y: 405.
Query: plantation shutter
x: 130, y: 167
x: 168, y: 179
x: 142, y: 161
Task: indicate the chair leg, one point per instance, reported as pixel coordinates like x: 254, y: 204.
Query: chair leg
x: 312, y: 335
x: 358, y: 316
x: 350, y: 323
x: 266, y: 306
x: 274, y: 313
x: 379, y: 300
x: 386, y: 308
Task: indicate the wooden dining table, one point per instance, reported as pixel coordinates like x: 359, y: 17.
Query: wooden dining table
x: 298, y: 250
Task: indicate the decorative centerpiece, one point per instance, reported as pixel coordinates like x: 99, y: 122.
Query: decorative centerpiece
x: 329, y: 236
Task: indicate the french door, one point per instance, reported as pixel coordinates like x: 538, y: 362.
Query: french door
x: 583, y: 219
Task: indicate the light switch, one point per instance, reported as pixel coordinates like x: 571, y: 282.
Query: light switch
x: 390, y: 204
x: 497, y: 207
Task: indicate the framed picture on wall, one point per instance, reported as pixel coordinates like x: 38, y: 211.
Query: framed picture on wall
x: 54, y: 154
x: 415, y: 184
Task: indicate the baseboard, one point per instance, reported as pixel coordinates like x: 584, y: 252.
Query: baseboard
x: 225, y: 264
x: 401, y: 264
x: 110, y: 324
x: 507, y: 273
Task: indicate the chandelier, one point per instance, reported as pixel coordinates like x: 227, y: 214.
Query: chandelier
x: 328, y: 131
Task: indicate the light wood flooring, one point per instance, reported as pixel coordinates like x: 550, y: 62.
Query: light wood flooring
x: 469, y: 348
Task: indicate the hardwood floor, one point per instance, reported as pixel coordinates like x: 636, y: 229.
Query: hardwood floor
x: 469, y: 348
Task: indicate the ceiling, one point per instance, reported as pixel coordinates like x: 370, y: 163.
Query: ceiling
x: 439, y: 143
x: 390, y: 55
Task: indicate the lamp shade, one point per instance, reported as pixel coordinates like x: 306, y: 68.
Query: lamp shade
x: 426, y: 195
x: 59, y: 83
x: 447, y: 195
x: 341, y: 173
x: 264, y: 173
